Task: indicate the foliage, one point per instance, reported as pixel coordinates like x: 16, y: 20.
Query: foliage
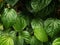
x: 29, y: 22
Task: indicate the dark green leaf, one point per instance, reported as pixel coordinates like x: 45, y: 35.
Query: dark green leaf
x: 47, y: 10
x: 12, y: 2
x: 38, y: 5
x: 19, y: 40
x: 21, y: 23
x: 52, y: 26
x: 35, y: 41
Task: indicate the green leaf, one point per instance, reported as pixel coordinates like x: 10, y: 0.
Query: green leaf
x: 8, y: 17
x: 26, y: 36
x: 12, y: 34
x: 6, y: 40
x: 20, y: 23
x: 56, y: 41
x: 47, y: 10
x: 19, y: 40
x: 39, y: 31
x: 38, y: 5
x: 12, y: 2
x: 35, y: 41
x: 52, y: 26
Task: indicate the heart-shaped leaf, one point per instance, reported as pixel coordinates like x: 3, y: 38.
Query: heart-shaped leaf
x: 8, y: 17
x: 39, y: 31
x: 52, y: 26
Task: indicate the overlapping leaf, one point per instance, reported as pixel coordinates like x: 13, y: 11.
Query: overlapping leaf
x: 52, y: 26
x: 47, y: 10
x: 35, y: 41
x: 38, y: 5
x: 19, y: 40
x: 8, y: 17
x: 20, y: 23
x: 39, y: 31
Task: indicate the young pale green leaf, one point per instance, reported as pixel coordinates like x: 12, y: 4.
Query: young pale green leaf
x: 38, y: 5
x: 39, y: 31
x: 6, y: 40
x: 12, y: 2
x: 20, y: 23
x: 52, y: 26
x: 35, y: 41
x: 56, y: 41
x: 8, y: 17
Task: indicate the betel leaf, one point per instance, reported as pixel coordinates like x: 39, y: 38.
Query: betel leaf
x: 6, y: 40
x: 38, y: 5
x: 52, y: 26
x: 21, y: 23
x: 8, y: 17
x: 35, y: 41
x: 39, y: 31
x: 56, y: 41
x: 12, y: 2
x: 26, y: 35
